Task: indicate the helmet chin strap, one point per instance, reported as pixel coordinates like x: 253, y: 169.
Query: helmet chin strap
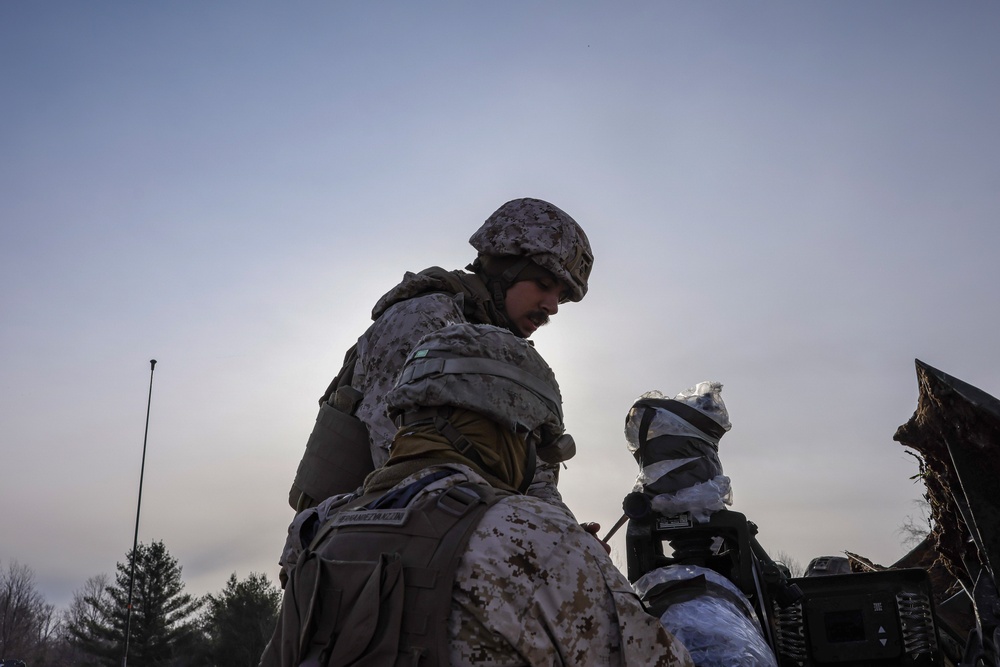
x: 498, y: 284
x: 529, y: 468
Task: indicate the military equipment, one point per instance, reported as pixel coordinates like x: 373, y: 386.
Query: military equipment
x: 939, y: 605
x: 338, y: 455
x: 374, y: 586
x: 138, y: 507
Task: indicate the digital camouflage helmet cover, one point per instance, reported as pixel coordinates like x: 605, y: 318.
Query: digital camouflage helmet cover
x: 542, y: 233
x: 488, y: 370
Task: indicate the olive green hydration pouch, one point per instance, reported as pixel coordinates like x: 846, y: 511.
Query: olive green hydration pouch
x: 338, y: 453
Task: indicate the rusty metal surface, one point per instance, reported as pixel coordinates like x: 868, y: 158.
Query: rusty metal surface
x: 956, y: 434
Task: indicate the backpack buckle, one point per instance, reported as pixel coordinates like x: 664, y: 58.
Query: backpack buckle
x: 458, y: 500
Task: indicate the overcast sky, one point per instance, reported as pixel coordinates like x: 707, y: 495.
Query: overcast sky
x: 793, y: 199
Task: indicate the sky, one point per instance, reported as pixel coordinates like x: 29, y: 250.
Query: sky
x: 796, y: 200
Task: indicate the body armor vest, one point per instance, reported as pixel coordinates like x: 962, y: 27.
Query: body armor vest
x: 337, y: 457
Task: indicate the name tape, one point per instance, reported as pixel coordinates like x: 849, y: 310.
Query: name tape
x: 372, y: 517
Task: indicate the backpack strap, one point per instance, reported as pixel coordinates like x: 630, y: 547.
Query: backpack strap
x: 429, y: 588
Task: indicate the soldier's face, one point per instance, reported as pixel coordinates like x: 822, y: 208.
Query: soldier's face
x: 530, y: 303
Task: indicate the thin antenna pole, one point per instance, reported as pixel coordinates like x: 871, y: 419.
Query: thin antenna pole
x: 138, y: 507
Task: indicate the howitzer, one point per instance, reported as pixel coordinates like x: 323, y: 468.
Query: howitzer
x: 697, y: 566
x: 938, y: 606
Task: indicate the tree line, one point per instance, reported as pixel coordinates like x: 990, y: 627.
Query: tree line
x: 167, y: 626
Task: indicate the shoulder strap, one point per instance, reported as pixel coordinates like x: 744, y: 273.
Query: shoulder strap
x: 429, y: 589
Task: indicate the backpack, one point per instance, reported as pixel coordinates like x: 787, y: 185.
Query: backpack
x: 374, y: 587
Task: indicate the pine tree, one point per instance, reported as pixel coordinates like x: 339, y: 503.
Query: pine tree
x: 162, y: 629
x: 239, y: 620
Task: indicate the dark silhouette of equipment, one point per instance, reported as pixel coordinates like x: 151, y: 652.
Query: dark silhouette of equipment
x: 900, y: 616
x: 138, y: 508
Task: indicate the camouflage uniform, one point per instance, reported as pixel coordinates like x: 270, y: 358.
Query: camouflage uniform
x: 399, y: 323
x: 530, y: 229
x: 522, y: 583
x: 533, y: 588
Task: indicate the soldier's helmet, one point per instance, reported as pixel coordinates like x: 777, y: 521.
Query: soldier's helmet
x: 545, y: 234
x: 485, y: 369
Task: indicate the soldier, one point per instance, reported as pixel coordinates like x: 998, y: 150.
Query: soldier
x: 441, y: 560
x: 532, y: 258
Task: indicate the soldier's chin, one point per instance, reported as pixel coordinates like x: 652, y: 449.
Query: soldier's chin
x: 532, y: 323
x: 524, y: 329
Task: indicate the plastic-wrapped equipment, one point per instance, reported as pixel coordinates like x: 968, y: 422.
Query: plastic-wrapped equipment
x: 708, y: 614
x: 676, y: 443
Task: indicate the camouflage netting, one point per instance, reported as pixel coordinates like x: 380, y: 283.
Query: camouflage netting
x: 952, y: 413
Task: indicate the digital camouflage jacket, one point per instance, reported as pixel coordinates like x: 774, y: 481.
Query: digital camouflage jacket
x: 532, y: 589
x: 421, y: 303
